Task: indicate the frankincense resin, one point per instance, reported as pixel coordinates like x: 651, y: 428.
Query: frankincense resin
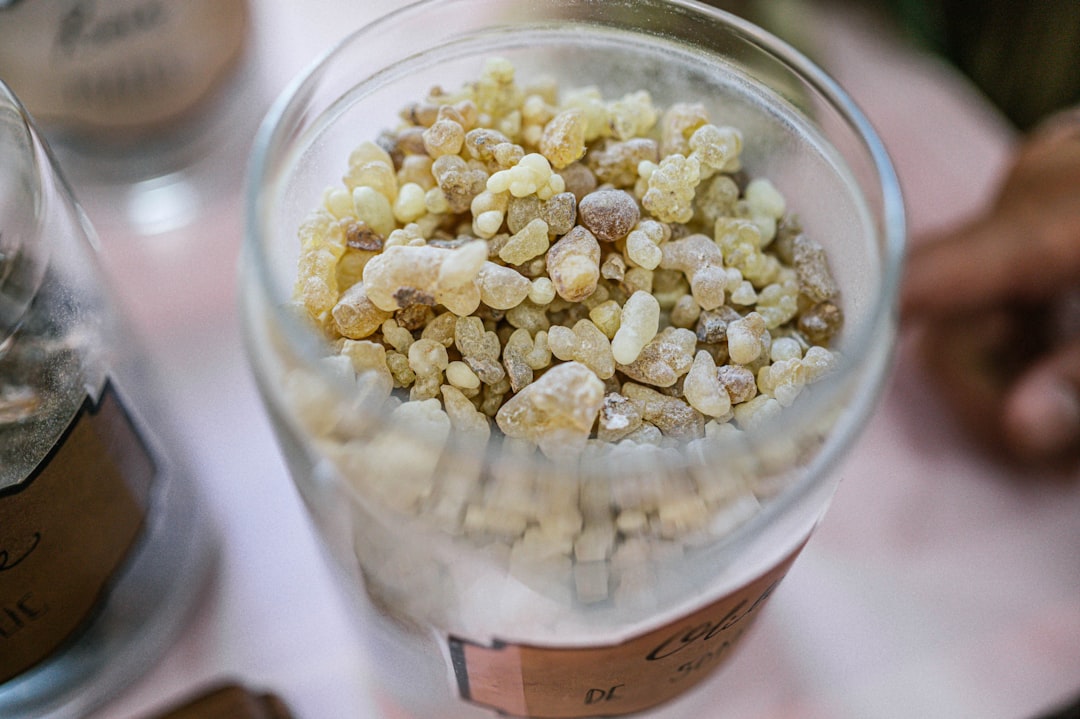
x: 550, y: 272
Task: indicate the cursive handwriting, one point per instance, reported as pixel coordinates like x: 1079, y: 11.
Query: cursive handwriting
x: 708, y: 629
x: 10, y: 560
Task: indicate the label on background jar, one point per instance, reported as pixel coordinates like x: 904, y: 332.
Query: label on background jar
x: 99, y: 65
x: 66, y: 529
x: 571, y: 683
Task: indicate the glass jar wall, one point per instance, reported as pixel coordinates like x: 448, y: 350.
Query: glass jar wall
x: 431, y: 529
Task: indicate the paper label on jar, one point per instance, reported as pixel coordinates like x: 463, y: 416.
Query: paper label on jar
x: 67, y: 528
x: 117, y: 64
x: 600, y: 681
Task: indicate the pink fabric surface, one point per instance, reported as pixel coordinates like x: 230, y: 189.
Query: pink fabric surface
x: 938, y: 585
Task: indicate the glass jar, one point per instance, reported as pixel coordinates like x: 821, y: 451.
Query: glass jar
x: 430, y: 530
x: 104, y: 546
x: 140, y: 99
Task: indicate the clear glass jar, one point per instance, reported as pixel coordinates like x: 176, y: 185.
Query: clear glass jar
x: 104, y: 545
x: 461, y: 620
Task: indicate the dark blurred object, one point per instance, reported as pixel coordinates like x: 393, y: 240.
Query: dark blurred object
x: 1023, y: 55
x: 229, y: 701
x: 1070, y: 711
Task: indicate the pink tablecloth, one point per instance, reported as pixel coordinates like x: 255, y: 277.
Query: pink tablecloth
x: 937, y: 586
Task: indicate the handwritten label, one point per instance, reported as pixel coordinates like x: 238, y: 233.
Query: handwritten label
x: 67, y: 528
x: 576, y: 682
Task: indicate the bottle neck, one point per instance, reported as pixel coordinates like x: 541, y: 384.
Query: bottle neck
x: 23, y: 250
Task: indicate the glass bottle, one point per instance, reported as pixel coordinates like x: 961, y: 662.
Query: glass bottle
x: 104, y: 544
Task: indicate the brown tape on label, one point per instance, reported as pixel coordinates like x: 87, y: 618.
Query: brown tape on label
x: 635, y: 675
x: 66, y: 529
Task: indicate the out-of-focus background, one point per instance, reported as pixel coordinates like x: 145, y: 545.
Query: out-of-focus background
x: 940, y: 584
x: 1022, y: 57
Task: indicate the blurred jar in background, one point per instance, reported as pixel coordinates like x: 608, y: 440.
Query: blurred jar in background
x: 136, y: 96
x: 118, y: 71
